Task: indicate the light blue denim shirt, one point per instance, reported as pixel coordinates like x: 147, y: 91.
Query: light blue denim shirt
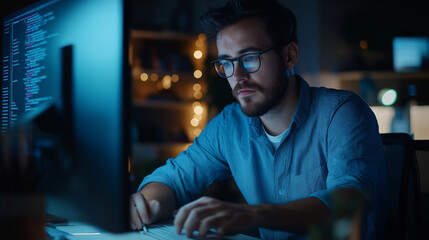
x: 332, y: 142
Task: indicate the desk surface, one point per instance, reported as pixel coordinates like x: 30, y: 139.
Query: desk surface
x: 82, y: 231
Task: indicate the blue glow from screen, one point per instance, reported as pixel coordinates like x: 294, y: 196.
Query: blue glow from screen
x: 409, y: 53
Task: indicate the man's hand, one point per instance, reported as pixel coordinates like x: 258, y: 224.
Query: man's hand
x: 206, y: 213
x: 155, y: 202
x: 142, y: 212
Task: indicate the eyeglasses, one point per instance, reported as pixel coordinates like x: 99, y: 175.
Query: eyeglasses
x: 250, y: 63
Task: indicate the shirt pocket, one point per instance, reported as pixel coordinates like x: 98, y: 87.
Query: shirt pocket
x: 307, y: 182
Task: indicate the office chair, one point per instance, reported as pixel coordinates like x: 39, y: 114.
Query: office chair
x: 403, y: 187
x: 422, y: 152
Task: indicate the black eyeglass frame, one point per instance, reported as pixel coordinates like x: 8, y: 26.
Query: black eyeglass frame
x: 240, y: 63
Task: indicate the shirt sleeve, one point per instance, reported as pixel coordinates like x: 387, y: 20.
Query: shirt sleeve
x: 195, y: 169
x: 355, y: 152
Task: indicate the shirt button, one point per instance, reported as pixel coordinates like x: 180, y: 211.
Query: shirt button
x: 281, y: 191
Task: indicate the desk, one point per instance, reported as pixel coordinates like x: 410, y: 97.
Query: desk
x: 81, y: 231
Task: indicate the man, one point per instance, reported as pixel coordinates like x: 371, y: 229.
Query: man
x: 289, y: 147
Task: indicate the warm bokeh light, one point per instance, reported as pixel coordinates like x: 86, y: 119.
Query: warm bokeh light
x: 198, y: 74
x: 202, y: 36
x: 196, y: 87
x: 166, y: 84
x: 175, y: 78
x: 197, y: 132
x: 198, y: 116
x: 195, y: 122
x: 198, y: 95
x: 198, y: 54
x: 198, y: 110
x: 154, y: 77
x: 144, y: 77
x: 196, y: 103
x: 166, y: 78
x: 199, y: 43
x: 363, y: 44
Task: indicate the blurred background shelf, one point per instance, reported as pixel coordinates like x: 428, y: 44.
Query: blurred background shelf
x: 169, y: 94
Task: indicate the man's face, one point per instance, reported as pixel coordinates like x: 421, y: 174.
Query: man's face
x: 256, y: 92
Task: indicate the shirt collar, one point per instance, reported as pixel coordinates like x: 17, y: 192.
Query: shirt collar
x: 300, y: 115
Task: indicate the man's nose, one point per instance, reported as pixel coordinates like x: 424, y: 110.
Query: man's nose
x: 239, y: 73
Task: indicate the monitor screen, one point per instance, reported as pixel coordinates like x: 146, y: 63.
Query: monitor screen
x: 72, y: 55
x: 410, y: 54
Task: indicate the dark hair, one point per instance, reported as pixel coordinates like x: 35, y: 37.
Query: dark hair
x: 280, y: 21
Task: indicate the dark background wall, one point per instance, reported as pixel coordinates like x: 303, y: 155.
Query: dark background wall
x: 329, y: 31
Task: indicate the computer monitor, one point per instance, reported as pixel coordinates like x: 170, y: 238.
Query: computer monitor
x: 410, y: 54
x: 70, y: 57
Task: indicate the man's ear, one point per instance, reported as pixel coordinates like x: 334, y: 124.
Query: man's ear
x: 290, y: 55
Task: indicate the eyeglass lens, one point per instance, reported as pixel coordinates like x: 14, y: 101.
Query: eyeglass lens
x: 249, y: 63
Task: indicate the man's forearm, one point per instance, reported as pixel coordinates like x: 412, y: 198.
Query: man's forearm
x: 164, y: 195
x: 299, y: 215
x: 295, y: 216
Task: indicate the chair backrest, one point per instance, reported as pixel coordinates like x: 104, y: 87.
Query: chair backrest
x: 422, y: 153
x: 403, y: 186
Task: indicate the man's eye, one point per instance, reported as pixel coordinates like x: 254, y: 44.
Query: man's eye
x: 226, y: 64
x: 249, y: 58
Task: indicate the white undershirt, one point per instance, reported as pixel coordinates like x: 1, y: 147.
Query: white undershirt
x: 276, y: 140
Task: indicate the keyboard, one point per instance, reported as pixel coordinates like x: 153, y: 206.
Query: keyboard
x: 164, y: 231
x: 168, y: 231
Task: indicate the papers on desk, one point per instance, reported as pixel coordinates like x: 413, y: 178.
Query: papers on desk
x: 78, y: 231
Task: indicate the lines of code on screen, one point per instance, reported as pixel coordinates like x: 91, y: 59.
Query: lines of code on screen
x: 26, y: 81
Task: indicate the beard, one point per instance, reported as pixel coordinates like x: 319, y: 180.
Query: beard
x: 272, y: 96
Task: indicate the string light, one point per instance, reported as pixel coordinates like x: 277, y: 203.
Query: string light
x: 202, y: 37
x: 198, y: 74
x: 166, y: 82
x: 197, y: 87
x: 198, y: 116
x: 195, y: 122
x: 198, y: 110
x: 197, y: 132
x: 154, y: 77
x: 175, y: 78
x: 199, y: 43
x: 363, y: 44
x: 198, y: 95
x: 167, y: 78
x: 198, y: 54
x: 196, y: 103
x: 144, y: 77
